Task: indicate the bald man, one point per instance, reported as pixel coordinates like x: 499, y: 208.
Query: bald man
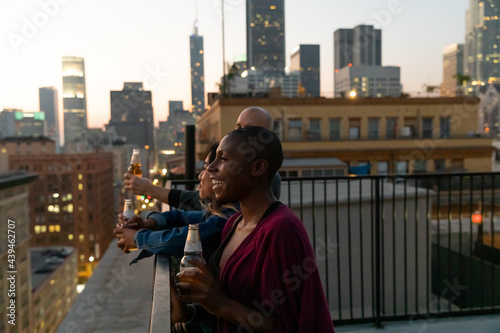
x: 190, y: 200
x: 255, y: 116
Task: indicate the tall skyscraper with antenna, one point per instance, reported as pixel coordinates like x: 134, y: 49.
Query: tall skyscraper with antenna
x: 74, y: 98
x: 197, y: 72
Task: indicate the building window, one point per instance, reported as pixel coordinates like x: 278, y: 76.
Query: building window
x: 295, y: 130
x: 354, y: 128
x: 439, y: 165
x: 444, y: 128
x: 314, y: 129
x: 409, y: 128
x: 401, y: 167
x: 383, y: 168
x: 420, y: 166
x: 306, y: 173
x: 293, y: 173
x: 427, y: 128
x: 335, y: 129
x: 373, y: 124
x: 391, y: 128
x: 317, y: 173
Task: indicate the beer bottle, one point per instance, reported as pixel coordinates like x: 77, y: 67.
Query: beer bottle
x: 192, y: 249
x: 135, y: 163
x: 128, y: 212
x: 128, y: 209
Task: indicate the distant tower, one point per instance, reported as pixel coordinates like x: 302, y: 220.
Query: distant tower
x: 305, y: 59
x: 132, y: 114
x: 74, y: 98
x: 453, y: 68
x: 358, y: 70
x: 49, y: 105
x: 266, y: 35
x: 343, y: 40
x: 197, y: 72
x: 361, y: 46
x: 367, y: 46
x: 482, y: 46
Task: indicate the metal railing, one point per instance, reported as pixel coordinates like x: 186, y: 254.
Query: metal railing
x: 402, y: 247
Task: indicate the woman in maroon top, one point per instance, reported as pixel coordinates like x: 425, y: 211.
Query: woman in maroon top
x: 264, y: 276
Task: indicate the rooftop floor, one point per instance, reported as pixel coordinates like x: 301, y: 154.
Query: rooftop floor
x: 117, y: 297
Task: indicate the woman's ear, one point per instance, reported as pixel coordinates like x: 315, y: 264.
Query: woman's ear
x: 259, y: 167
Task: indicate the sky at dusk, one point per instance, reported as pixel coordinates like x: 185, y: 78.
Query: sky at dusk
x: 124, y: 40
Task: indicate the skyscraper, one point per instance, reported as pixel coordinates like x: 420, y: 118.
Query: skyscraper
x: 8, y: 122
x: 197, y: 72
x: 482, y: 42
x: 358, y: 65
x: 361, y: 46
x: 49, y: 105
x: 453, y: 69
x: 343, y: 40
x: 74, y: 98
x: 132, y: 114
x: 266, y: 35
x: 305, y: 59
x: 367, y: 46
x: 30, y: 124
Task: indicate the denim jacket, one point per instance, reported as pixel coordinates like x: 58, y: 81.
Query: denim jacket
x: 172, y: 229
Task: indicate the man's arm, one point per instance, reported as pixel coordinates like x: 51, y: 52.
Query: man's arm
x: 186, y: 200
x: 142, y: 186
x: 173, y: 241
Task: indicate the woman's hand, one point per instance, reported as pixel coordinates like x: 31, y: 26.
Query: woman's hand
x: 198, y: 285
x: 138, y: 185
x: 126, y: 240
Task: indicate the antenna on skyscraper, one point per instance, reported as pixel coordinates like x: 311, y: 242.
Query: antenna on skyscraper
x: 223, y: 52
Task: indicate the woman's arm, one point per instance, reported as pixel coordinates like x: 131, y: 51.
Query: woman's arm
x: 201, y: 287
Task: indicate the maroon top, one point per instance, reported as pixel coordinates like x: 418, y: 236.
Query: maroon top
x: 274, y: 271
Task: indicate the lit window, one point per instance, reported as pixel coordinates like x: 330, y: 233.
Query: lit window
x: 37, y: 229
x: 43, y: 228
x: 80, y: 176
x: 51, y: 228
x: 70, y: 237
x: 80, y: 187
x: 57, y: 228
x: 81, y: 237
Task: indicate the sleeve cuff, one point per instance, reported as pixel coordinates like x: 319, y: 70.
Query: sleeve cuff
x: 161, y: 222
x: 174, y: 197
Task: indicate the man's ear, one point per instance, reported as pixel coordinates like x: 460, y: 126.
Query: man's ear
x: 259, y: 167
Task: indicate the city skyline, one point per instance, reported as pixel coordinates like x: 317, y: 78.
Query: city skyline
x: 119, y: 46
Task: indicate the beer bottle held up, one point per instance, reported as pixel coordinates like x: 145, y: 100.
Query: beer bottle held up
x: 135, y: 163
x: 192, y: 249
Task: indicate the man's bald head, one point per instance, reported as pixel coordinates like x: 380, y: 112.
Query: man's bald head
x: 255, y: 116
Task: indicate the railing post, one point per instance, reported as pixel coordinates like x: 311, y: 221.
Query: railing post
x: 378, y: 261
